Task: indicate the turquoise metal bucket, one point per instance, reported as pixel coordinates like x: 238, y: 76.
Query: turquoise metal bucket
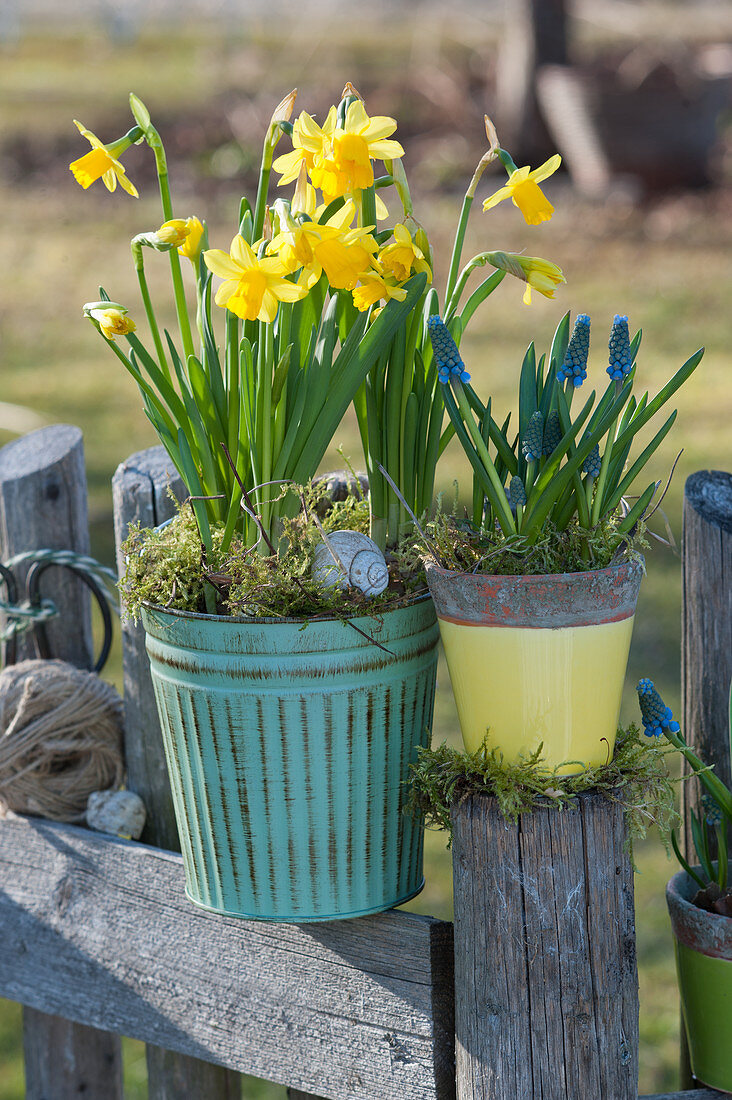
x: 288, y: 747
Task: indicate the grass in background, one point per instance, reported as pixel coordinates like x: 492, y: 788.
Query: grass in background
x: 668, y: 267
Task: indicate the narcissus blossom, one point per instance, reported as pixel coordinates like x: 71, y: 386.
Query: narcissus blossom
x: 344, y: 164
x: 372, y: 288
x: 403, y: 256
x: 252, y: 288
x: 524, y: 191
x: 538, y: 274
x: 102, y: 163
x: 332, y: 247
x: 308, y: 141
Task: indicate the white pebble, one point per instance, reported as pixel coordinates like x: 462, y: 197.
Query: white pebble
x: 121, y: 813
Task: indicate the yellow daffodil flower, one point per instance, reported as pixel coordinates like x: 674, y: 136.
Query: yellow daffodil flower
x: 191, y: 246
x: 332, y: 247
x: 173, y: 232
x: 403, y: 256
x: 344, y: 164
x: 252, y: 288
x: 524, y: 191
x: 538, y: 274
x: 373, y: 287
x: 101, y: 163
x: 308, y: 141
x: 541, y: 275
x: 112, y: 320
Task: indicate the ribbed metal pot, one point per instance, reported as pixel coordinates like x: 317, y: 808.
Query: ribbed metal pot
x: 288, y: 746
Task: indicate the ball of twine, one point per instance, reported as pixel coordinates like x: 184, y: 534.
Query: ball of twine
x: 60, y: 738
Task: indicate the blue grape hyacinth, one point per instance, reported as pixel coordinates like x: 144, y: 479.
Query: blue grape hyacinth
x: 533, y: 441
x: 592, y: 464
x: 655, y: 715
x: 552, y: 433
x: 517, y: 492
x: 574, y: 367
x: 447, y: 356
x: 619, y: 345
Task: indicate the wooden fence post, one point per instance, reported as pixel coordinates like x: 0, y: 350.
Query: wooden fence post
x: 141, y: 492
x: 546, y: 985
x: 706, y: 646
x: 43, y: 504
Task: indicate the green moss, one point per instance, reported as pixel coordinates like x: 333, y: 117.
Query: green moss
x: 458, y: 545
x: 637, y: 777
x: 169, y: 567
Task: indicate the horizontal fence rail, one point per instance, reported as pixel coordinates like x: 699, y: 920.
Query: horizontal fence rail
x: 100, y: 931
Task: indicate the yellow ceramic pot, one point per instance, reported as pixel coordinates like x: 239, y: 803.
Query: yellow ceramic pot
x: 539, y: 660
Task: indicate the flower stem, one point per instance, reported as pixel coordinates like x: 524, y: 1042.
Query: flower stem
x: 149, y: 309
x: 457, y: 248
x: 181, y: 307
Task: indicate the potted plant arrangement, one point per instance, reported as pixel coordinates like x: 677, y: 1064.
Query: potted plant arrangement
x: 699, y: 899
x: 536, y: 591
x: 293, y: 665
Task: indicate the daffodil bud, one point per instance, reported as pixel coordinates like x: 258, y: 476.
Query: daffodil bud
x: 283, y: 110
x: 349, y: 91
x: 110, y: 317
x: 421, y: 239
x: 492, y: 135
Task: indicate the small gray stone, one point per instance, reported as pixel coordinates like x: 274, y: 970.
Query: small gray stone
x: 121, y: 813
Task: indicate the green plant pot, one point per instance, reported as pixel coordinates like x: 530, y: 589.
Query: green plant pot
x: 703, y: 943
x: 288, y: 746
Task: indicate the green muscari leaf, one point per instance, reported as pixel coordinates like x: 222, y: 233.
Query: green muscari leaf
x: 479, y: 295
x: 560, y: 343
x: 527, y: 395
x: 613, y: 499
x: 472, y: 455
x: 667, y: 391
x: 637, y: 512
x: 684, y: 864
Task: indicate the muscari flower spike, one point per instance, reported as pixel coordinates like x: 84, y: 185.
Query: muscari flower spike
x: 592, y: 463
x: 655, y: 715
x: 447, y: 356
x: 517, y: 492
x: 712, y: 812
x: 574, y: 367
x: 619, y: 345
x: 533, y: 442
x: 552, y: 433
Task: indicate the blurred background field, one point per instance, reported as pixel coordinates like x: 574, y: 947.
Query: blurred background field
x: 651, y: 240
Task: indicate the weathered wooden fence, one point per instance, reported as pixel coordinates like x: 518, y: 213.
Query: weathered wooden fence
x: 98, y: 940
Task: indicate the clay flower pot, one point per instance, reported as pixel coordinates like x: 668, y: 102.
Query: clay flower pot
x: 539, y: 660
x: 703, y: 943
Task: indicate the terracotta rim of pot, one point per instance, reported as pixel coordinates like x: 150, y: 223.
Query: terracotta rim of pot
x: 548, y: 600
x: 708, y: 933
